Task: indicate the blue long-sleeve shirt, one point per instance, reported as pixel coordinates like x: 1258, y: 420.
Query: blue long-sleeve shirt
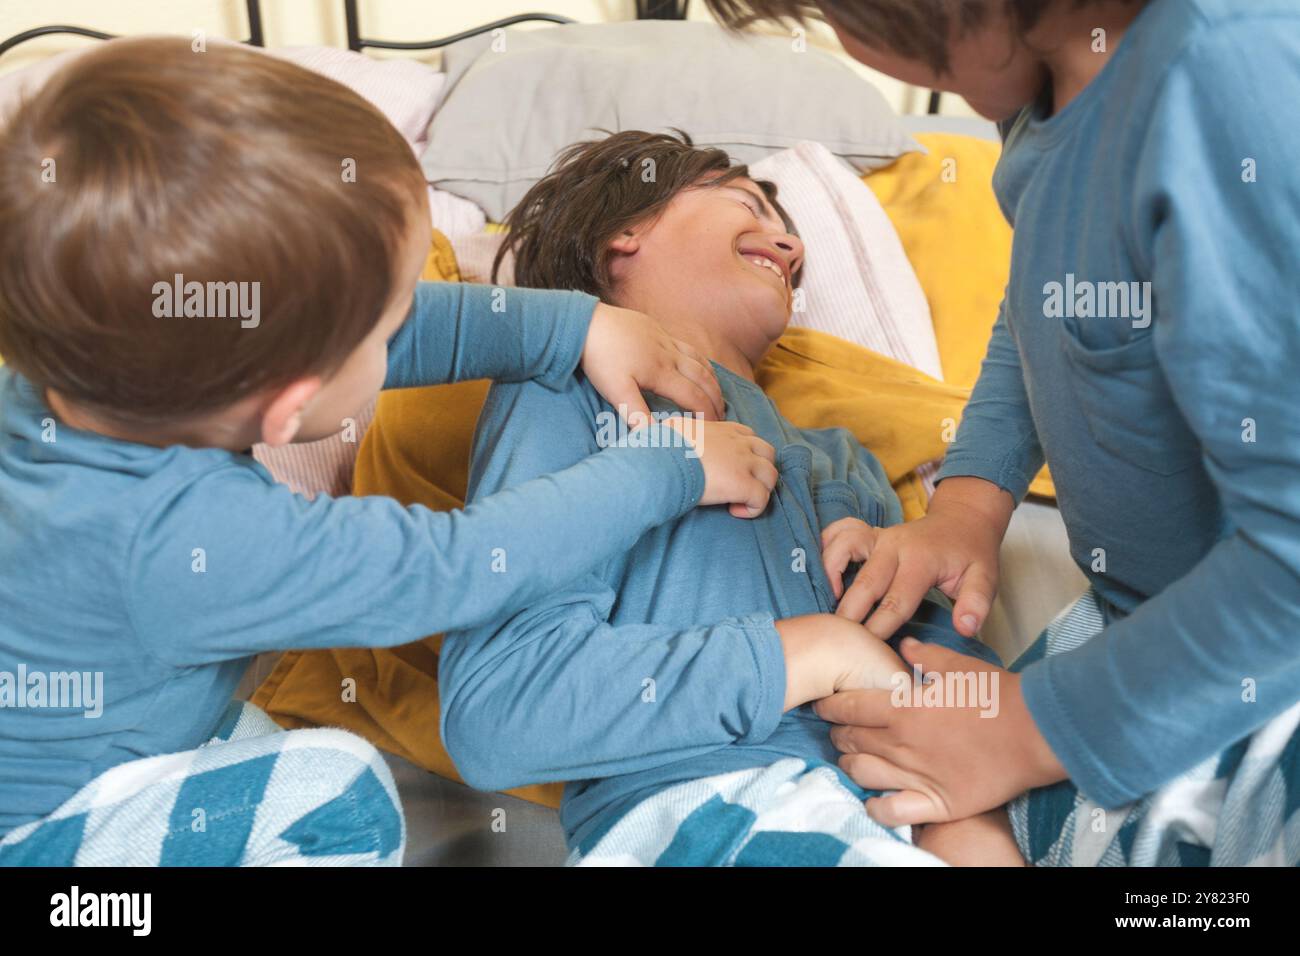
x: 663, y: 663
x: 1170, y: 425
x: 165, y: 569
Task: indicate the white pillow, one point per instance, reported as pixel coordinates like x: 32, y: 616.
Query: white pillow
x: 405, y: 91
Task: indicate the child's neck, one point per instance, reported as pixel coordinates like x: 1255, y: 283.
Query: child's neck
x: 1073, y: 58
x: 714, y: 348
x: 199, y: 434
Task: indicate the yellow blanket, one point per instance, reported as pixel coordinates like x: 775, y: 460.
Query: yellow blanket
x: 816, y: 380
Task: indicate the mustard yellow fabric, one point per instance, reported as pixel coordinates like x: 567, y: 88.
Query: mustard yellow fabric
x: 904, y: 416
x: 417, y: 449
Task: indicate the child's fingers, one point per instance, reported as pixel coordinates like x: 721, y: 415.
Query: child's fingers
x: 854, y: 542
x: 766, y: 473
x: 764, y: 450
x: 753, y: 499
x: 872, y: 580
x: 857, y: 708
x: 974, y: 599
x: 906, y: 808
x: 685, y: 392
x: 756, y: 489
x: 835, y: 559
x: 697, y: 369
x: 836, y: 528
x: 629, y: 401
x: 874, y: 773
x: 901, y: 599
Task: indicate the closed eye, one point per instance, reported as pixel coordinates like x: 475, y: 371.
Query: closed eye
x: 746, y: 199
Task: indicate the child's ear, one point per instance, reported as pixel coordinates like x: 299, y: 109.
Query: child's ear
x: 626, y: 243
x: 283, y: 416
x: 622, y: 248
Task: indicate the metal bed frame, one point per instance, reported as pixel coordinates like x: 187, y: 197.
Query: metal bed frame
x: 255, y: 38
x: 645, y: 10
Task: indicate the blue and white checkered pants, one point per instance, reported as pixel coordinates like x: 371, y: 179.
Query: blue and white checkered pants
x: 1240, y: 808
x: 254, y: 795
x: 791, y: 813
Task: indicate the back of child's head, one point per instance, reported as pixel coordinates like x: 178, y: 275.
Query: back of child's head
x: 146, y: 166
x: 561, y: 230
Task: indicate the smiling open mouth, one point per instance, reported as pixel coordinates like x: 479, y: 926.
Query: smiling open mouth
x: 764, y: 262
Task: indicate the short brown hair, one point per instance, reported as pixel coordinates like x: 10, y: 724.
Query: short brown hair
x: 917, y: 29
x: 222, y: 166
x: 560, y: 232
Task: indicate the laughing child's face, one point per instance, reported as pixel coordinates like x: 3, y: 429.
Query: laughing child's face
x: 719, y: 254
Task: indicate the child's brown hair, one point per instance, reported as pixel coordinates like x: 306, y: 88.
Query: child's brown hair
x: 560, y: 232
x: 917, y: 29
x: 145, y: 159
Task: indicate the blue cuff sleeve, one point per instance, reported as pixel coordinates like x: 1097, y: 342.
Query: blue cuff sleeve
x: 769, y: 666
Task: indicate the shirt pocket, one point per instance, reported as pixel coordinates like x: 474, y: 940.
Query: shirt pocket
x: 1127, y: 406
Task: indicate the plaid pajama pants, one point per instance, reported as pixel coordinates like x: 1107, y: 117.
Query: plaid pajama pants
x: 1240, y: 808
x: 254, y: 795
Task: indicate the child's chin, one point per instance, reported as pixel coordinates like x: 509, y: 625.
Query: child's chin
x: 995, y: 112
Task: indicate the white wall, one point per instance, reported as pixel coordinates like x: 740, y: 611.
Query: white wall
x: 320, y: 22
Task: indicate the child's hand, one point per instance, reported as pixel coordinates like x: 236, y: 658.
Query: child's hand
x: 954, y: 547
x: 738, y: 465
x: 844, y: 542
x: 628, y: 351
x: 945, y: 762
x: 825, y: 654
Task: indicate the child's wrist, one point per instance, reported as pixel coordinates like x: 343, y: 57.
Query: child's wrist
x: 1039, y: 764
x: 970, y: 498
x: 813, y: 651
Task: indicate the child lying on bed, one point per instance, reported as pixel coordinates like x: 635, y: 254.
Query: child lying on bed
x: 146, y: 555
x: 661, y: 681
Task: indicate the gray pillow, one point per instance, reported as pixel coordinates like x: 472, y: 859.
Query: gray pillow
x: 507, y: 114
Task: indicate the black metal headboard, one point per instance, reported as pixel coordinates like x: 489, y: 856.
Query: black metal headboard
x: 255, y: 38
x: 645, y: 9
x: 356, y: 41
